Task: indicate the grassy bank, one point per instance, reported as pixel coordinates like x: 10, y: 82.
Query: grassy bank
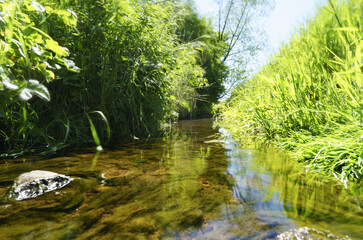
x: 92, y: 71
x: 309, y: 98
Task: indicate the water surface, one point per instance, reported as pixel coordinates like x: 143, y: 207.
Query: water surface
x: 194, y: 183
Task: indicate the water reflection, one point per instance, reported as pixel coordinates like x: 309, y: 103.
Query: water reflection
x: 281, y: 194
x: 194, y: 183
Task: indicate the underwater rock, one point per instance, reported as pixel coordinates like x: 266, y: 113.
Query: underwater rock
x: 193, y: 219
x: 309, y: 234
x: 37, y: 182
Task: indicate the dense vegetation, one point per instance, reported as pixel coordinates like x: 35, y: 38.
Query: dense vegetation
x: 101, y: 70
x: 212, y: 47
x: 309, y: 98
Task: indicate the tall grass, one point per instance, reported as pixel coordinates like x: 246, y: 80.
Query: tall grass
x: 308, y: 99
x: 109, y: 70
x: 129, y: 57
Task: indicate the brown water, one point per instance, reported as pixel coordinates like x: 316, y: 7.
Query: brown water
x: 195, y: 183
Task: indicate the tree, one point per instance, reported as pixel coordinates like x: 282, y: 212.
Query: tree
x: 227, y: 46
x: 236, y: 26
x: 212, y: 48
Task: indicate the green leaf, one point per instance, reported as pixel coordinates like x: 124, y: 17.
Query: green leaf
x: 37, y: 50
x: 54, y: 46
x: 348, y: 29
x: 25, y: 94
x: 39, y: 89
x: 68, y: 16
x: 16, y: 42
x: 47, y: 55
x: 32, y: 88
x: 94, y: 132
x: 106, y: 122
x: 70, y: 65
x: 40, y: 31
x: 48, y: 9
x: 48, y: 74
x: 37, y: 6
x: 22, y: 53
x: 10, y: 84
x: 30, y: 35
x: 4, y: 60
x: 4, y: 47
x: 73, y: 13
x: 67, y: 131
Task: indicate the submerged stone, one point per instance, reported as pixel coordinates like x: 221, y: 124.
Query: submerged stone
x: 310, y: 234
x: 35, y: 183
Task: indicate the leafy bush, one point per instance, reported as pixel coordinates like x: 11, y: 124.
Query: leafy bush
x: 108, y: 70
x: 211, y: 49
x: 129, y: 56
x: 28, y: 59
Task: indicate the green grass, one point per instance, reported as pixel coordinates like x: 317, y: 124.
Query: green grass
x: 74, y: 72
x: 308, y: 99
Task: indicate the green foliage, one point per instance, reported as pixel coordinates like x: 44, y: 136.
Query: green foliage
x: 27, y: 61
x: 309, y: 98
x: 120, y: 59
x: 124, y: 49
x: 187, y: 76
x: 211, y: 49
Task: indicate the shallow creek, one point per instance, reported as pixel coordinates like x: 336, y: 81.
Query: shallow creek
x: 194, y: 183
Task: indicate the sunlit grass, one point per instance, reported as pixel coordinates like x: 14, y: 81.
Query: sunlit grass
x: 308, y: 99
x: 122, y: 60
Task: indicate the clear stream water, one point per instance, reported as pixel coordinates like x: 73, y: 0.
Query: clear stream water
x: 194, y: 183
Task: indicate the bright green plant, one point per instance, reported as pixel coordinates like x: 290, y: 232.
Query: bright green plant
x: 211, y: 48
x: 130, y: 64
x: 27, y: 61
x: 107, y: 70
x: 309, y: 98
x: 186, y: 77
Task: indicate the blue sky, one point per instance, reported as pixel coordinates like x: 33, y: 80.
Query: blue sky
x: 279, y: 25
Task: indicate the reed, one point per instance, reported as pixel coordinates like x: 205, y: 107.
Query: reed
x: 308, y: 99
x: 103, y: 71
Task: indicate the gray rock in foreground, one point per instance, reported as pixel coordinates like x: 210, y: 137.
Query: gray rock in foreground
x: 37, y: 182
x: 306, y: 233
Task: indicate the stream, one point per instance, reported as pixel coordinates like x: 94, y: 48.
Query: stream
x: 195, y: 182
